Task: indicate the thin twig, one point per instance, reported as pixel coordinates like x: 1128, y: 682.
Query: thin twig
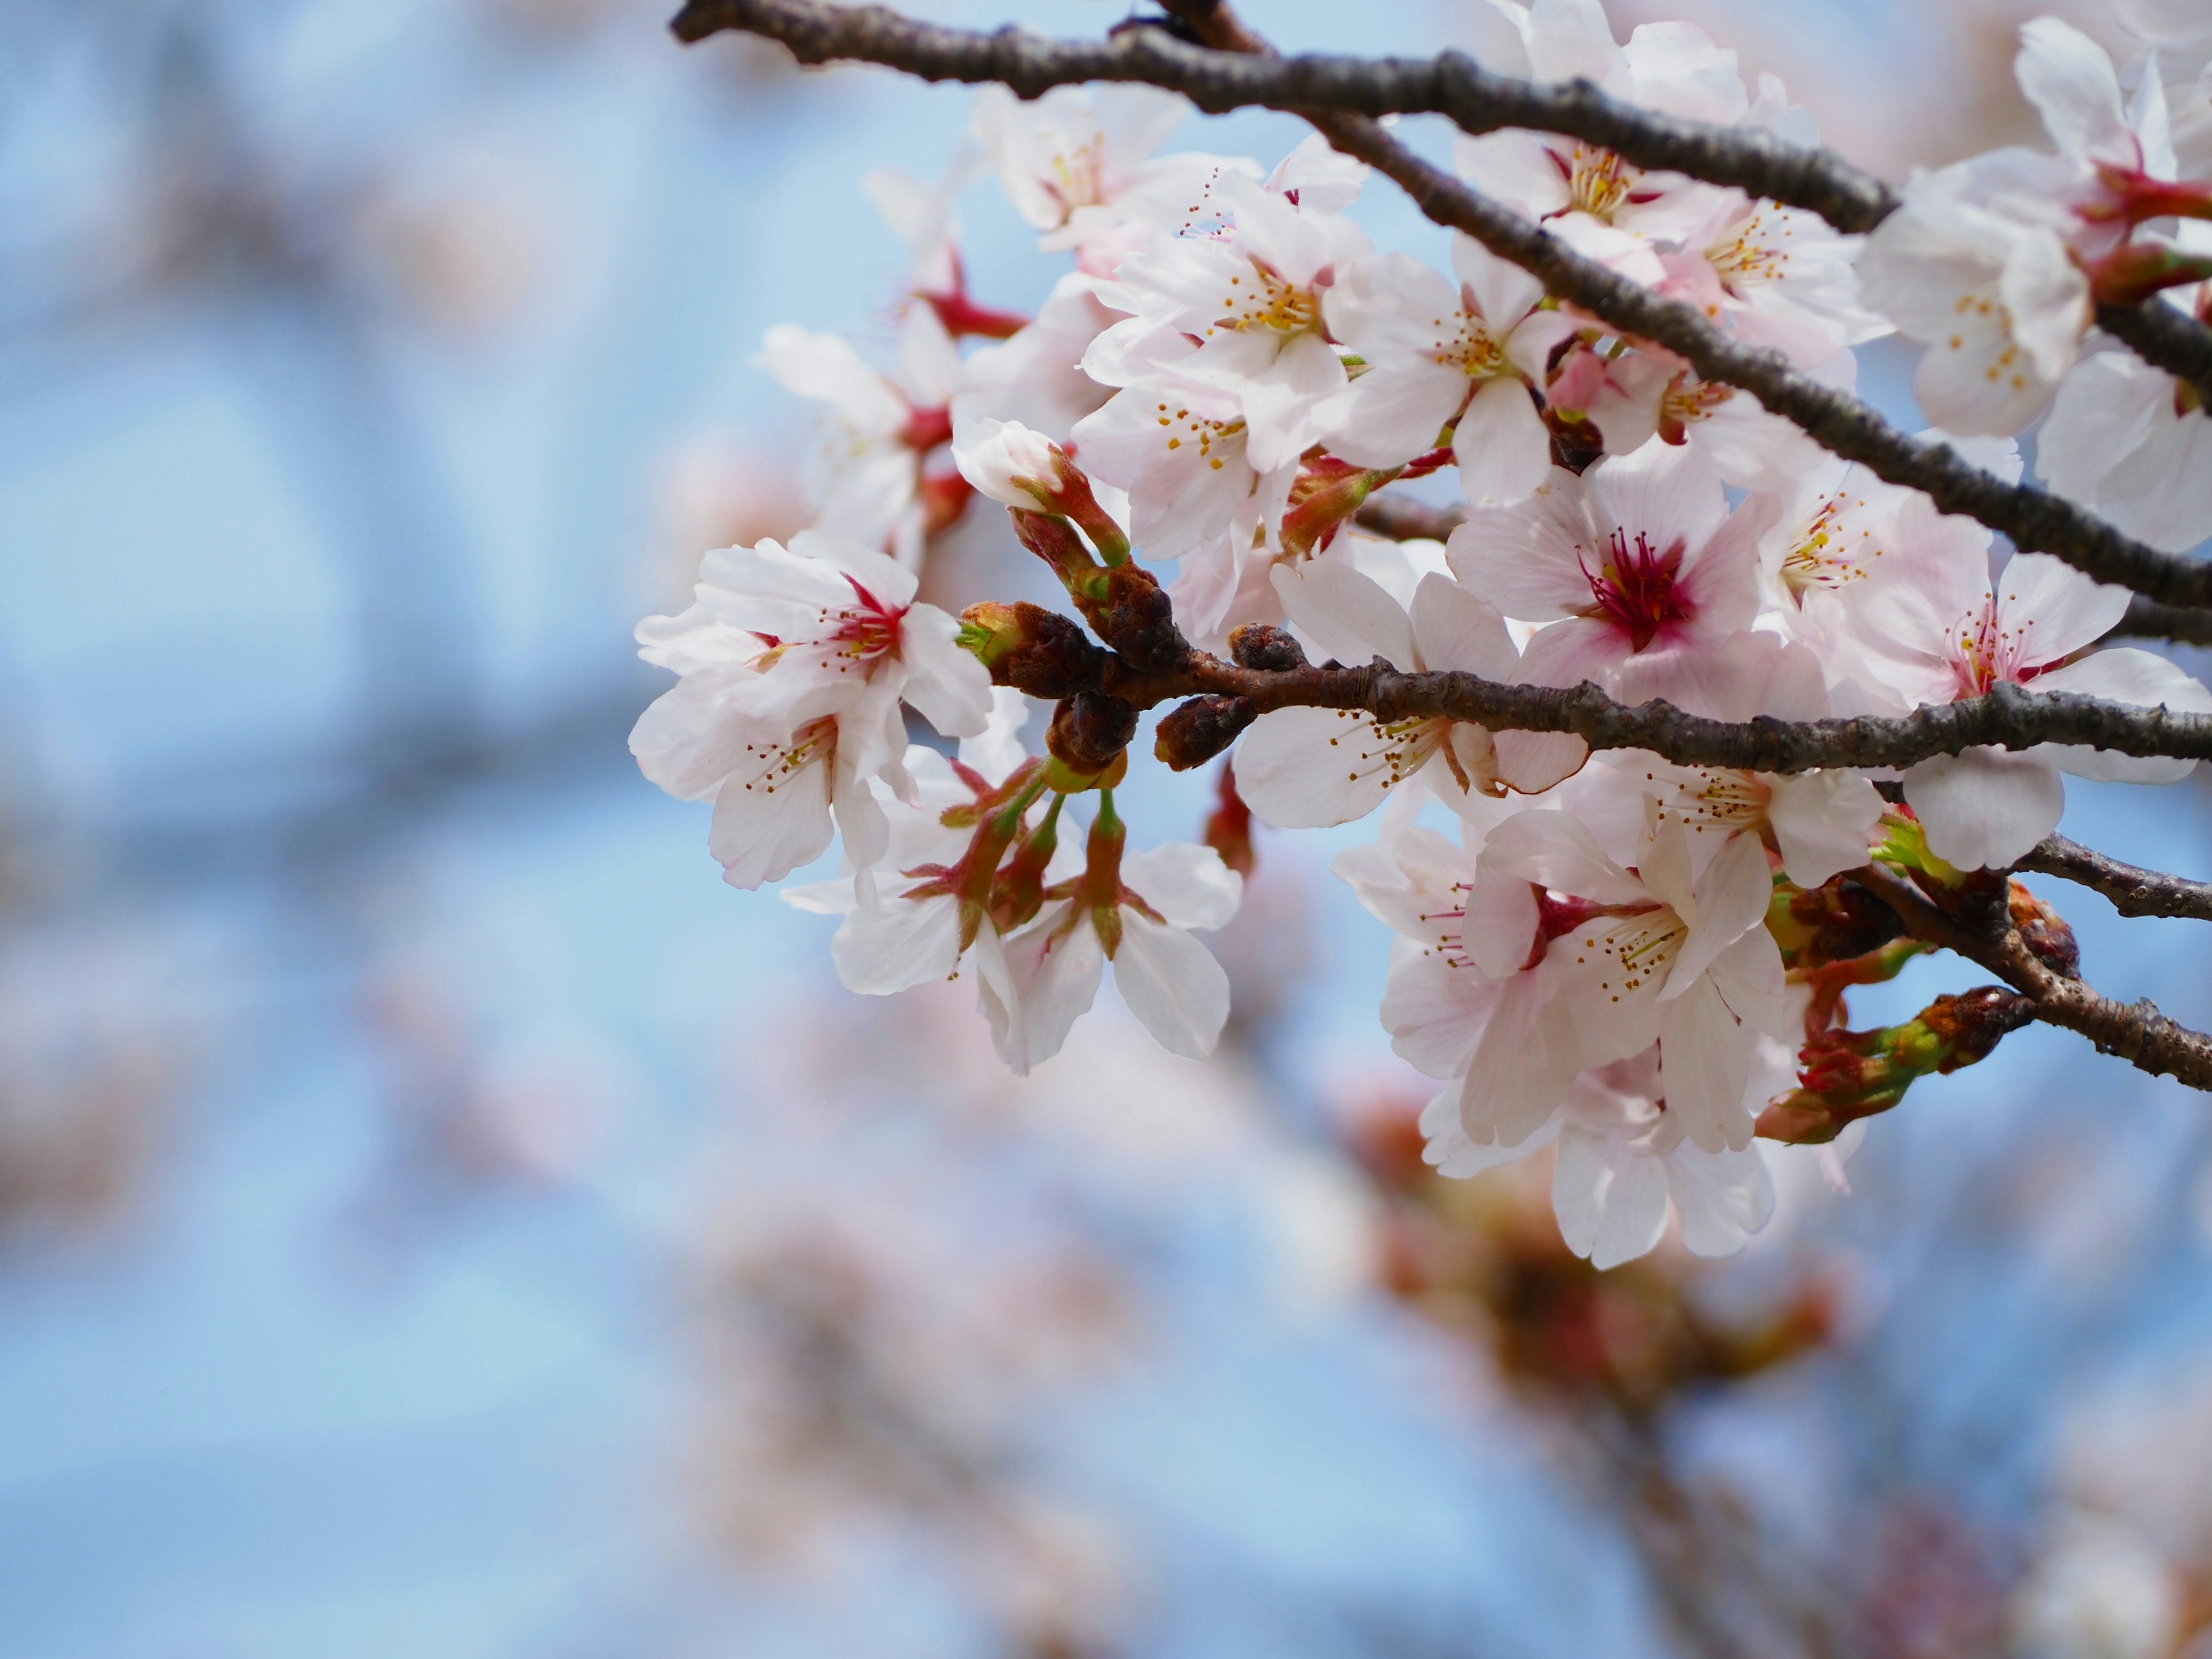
x: 2133, y: 891
x: 1401, y: 518
x: 2135, y: 1031
x: 1222, y: 75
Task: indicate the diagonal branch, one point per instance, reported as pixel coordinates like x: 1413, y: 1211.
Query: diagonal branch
x: 2036, y: 520
x: 2133, y: 891
x: 1232, y: 72
x: 2135, y: 1031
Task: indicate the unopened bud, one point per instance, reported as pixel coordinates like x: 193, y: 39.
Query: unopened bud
x: 2045, y: 931
x: 1032, y: 648
x: 1026, y: 471
x: 1066, y: 779
x: 1090, y: 731
x: 1265, y: 648
x: 1137, y: 618
x: 1844, y: 1076
x: 1326, y: 493
x: 1197, y: 731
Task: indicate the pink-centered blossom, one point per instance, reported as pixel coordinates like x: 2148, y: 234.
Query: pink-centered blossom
x: 1947, y: 631
x: 794, y: 663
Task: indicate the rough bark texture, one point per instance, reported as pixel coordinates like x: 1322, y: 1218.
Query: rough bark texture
x: 2133, y: 891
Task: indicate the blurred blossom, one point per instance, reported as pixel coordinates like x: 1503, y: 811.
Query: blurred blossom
x: 465, y: 253
x: 715, y: 490
x: 466, y: 1113
x: 2098, y: 1591
x: 94, y: 1056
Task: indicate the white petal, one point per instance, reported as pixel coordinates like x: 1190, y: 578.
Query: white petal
x: 897, y: 943
x: 1502, y: 448
x: 1351, y: 615
x: 1173, y: 984
x: 1187, y: 884
x: 1724, y: 1197
x: 1453, y: 628
x: 1987, y: 807
x: 2069, y: 79
x: 1056, y: 972
x: 766, y: 828
x: 1520, y: 1068
x: 1704, y: 1060
x: 1823, y: 823
x: 1611, y: 1200
x: 1308, y: 768
x: 951, y: 687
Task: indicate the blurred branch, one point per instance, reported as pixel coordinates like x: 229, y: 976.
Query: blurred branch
x: 1400, y: 519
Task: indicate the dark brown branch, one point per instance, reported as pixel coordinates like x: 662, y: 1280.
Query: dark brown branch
x: 2008, y: 717
x: 2183, y: 625
x: 2036, y: 520
x: 1233, y: 71
x: 2133, y: 891
x: 2135, y: 1031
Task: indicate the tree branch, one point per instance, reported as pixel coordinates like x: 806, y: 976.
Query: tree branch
x: 2036, y: 520
x: 2133, y: 891
x: 2183, y: 625
x: 1401, y: 518
x: 1232, y: 71
x: 2136, y: 1031
x: 2008, y: 718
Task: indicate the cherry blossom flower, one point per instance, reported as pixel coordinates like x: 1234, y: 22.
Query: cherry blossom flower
x: 1637, y: 572
x: 1307, y: 768
x: 1251, y: 295
x: 1990, y: 262
x: 793, y: 665
x: 1077, y: 163
x: 1637, y: 956
x: 1622, y: 1162
x: 1947, y: 631
x: 1139, y: 913
x: 866, y: 471
x: 1997, y: 299
x: 2131, y: 442
x: 1036, y: 376
x: 1435, y: 358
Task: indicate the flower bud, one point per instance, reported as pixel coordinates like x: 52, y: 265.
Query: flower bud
x: 1137, y: 618
x: 1844, y: 1076
x: 1032, y: 648
x: 1326, y: 492
x: 1090, y: 731
x: 2045, y: 931
x: 1026, y: 471
x: 1266, y: 648
x: 1197, y: 731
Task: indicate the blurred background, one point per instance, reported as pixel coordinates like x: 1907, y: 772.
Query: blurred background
x: 438, y: 1217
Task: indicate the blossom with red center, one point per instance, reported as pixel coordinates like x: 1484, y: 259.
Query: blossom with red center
x: 1635, y: 574
x: 794, y: 664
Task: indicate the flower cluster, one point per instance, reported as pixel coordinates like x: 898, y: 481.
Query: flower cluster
x: 1639, y: 962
